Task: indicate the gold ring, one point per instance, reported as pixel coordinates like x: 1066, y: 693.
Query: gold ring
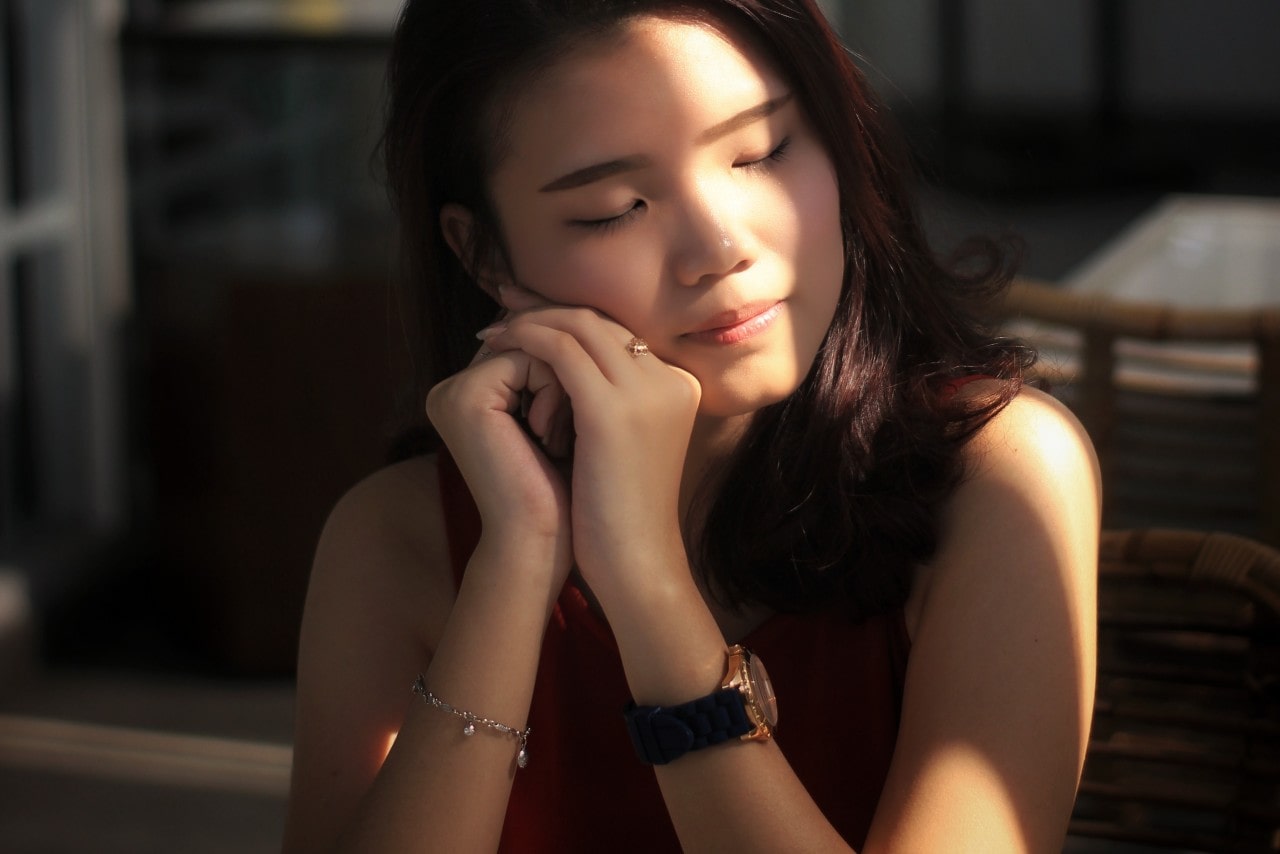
x: 637, y: 347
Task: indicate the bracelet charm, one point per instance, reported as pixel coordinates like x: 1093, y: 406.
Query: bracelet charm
x: 471, y: 718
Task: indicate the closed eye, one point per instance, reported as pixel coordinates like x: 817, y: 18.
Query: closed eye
x: 778, y: 154
x: 610, y: 222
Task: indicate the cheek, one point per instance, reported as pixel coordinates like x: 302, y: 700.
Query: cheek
x: 809, y: 234
x: 600, y: 274
x: 821, y: 240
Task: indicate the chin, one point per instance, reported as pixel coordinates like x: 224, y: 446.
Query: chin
x: 735, y: 403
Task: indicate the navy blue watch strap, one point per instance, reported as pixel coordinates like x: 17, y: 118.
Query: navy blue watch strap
x: 663, y: 733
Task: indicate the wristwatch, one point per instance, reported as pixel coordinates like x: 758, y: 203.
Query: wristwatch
x: 743, y: 707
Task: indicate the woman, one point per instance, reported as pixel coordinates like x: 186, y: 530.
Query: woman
x: 732, y: 411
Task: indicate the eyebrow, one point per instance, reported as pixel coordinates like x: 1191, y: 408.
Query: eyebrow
x: 600, y: 171
x: 597, y: 172
x: 744, y: 118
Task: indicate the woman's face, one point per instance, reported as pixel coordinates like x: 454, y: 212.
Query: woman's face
x: 670, y: 179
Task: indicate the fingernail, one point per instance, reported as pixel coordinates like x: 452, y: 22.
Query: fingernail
x: 508, y: 291
x: 490, y: 331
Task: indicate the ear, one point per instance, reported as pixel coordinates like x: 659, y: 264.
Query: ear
x: 459, y: 227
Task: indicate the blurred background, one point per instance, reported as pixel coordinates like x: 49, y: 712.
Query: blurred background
x: 199, y: 352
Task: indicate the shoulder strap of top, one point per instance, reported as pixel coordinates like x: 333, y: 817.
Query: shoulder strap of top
x: 461, y: 518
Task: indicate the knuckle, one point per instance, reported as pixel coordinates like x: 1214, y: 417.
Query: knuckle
x: 582, y: 314
x: 686, y: 389
x: 561, y: 343
x: 438, y: 400
x: 449, y: 395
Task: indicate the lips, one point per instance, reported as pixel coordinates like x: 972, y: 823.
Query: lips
x: 730, y: 327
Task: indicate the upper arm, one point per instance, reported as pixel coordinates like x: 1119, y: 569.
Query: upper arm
x: 380, y: 591
x: 999, y: 691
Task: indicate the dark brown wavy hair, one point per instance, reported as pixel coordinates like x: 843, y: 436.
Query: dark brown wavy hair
x: 833, y: 494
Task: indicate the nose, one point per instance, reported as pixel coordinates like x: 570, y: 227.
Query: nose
x: 711, y: 239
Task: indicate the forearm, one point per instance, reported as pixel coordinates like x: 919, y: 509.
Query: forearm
x: 743, y: 796
x: 739, y: 795
x: 440, y: 789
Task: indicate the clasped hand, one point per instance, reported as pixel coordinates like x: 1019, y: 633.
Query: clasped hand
x: 548, y: 369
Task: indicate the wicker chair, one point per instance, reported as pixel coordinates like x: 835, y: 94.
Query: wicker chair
x: 1185, y: 749
x: 1188, y: 436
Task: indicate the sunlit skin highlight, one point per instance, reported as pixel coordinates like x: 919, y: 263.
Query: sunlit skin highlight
x: 683, y: 194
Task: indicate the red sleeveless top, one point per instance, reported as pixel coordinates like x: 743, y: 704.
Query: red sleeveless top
x: 839, y: 687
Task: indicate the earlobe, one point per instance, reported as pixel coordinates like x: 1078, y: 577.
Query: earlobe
x: 458, y: 226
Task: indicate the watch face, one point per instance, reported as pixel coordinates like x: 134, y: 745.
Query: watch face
x: 762, y: 691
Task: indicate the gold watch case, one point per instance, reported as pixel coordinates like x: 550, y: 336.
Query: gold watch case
x: 747, y: 674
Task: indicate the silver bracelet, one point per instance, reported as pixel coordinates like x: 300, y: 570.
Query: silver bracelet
x: 521, y: 735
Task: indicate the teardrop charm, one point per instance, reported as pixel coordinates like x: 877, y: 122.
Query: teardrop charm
x: 469, y: 729
x: 522, y: 758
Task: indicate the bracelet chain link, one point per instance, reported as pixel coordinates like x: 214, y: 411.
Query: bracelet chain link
x: 522, y: 758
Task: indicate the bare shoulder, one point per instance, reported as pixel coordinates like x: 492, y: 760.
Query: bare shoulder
x: 1034, y: 430
x: 385, y: 547
x: 393, y: 496
x: 380, y: 592
x: 1002, y: 658
x: 1032, y: 482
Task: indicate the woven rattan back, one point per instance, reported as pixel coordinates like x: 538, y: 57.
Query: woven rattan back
x: 1182, y: 404
x: 1185, y: 748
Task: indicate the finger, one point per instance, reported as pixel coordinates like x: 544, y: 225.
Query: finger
x: 560, y: 436
x: 603, y: 339
x: 545, y: 396
x: 574, y: 368
x: 517, y: 298
x: 498, y: 380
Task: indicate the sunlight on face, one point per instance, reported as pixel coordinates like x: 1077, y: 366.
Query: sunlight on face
x: 668, y: 177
